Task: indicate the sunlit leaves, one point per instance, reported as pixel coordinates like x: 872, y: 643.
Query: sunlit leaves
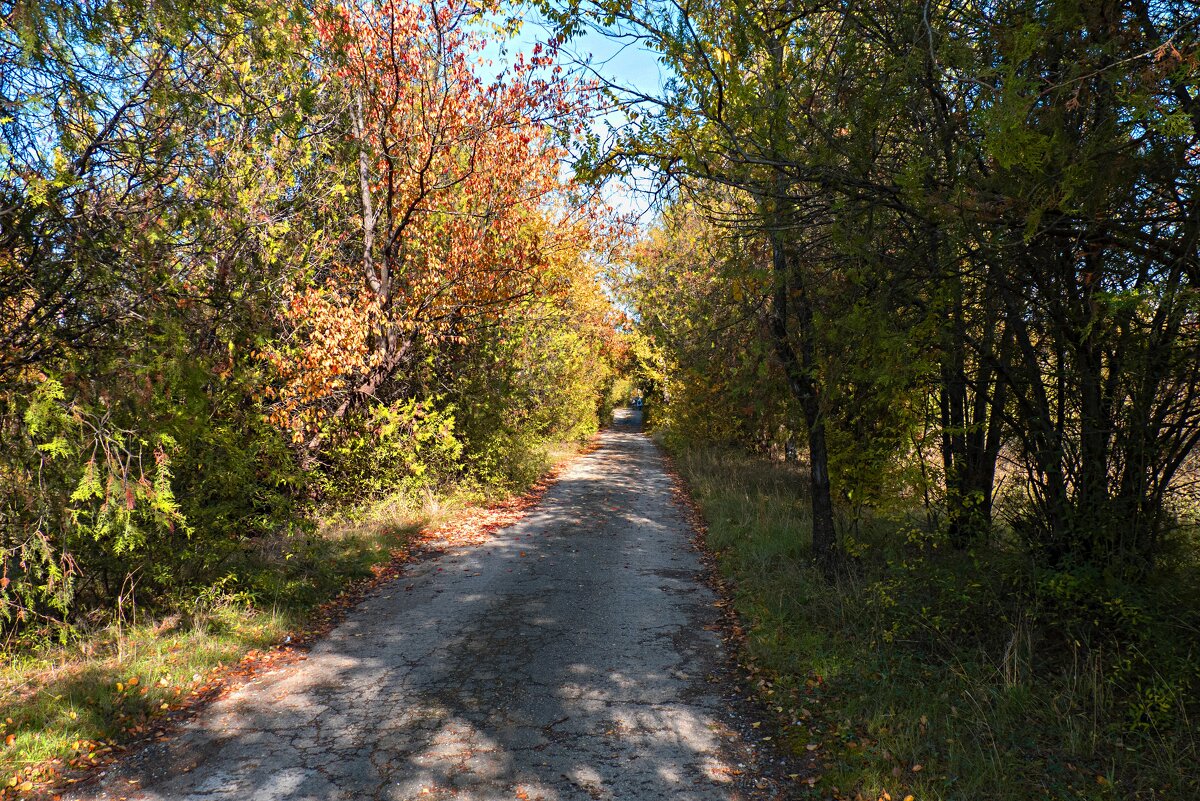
x: 457, y: 198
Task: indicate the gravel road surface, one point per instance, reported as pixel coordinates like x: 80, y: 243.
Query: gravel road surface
x: 572, y: 656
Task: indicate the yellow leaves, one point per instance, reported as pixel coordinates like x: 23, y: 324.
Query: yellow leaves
x: 476, y: 224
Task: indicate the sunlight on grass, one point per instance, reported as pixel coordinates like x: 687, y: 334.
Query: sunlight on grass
x: 70, y: 701
x: 902, y: 685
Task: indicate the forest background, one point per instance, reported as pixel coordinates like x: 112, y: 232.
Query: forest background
x: 917, y: 316
x: 934, y: 266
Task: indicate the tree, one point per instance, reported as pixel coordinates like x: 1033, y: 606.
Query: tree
x: 1010, y: 185
x: 1092, y: 143
x: 453, y: 176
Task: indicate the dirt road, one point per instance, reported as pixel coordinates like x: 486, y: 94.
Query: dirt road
x: 573, y: 656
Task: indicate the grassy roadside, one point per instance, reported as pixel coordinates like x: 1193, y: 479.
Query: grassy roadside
x: 69, y: 707
x: 918, y: 672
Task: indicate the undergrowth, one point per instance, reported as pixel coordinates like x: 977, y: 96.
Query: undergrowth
x: 109, y: 682
x: 941, y: 674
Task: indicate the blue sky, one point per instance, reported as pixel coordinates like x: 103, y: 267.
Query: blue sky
x: 623, y: 64
x: 619, y: 63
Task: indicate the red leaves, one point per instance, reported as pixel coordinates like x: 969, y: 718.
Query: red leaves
x: 455, y: 179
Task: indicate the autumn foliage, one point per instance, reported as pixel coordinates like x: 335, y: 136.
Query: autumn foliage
x: 259, y: 261
x: 461, y: 203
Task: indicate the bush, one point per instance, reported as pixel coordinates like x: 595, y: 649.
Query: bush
x: 116, y: 504
x: 406, y: 447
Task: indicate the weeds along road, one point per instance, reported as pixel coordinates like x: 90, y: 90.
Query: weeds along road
x: 573, y: 656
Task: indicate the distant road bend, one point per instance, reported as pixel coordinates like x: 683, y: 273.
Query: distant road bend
x: 573, y: 656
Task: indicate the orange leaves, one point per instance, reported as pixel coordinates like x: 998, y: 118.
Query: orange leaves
x: 334, y: 330
x: 459, y: 200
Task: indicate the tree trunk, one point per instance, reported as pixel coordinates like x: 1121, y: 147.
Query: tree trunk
x: 800, y: 370
x: 972, y: 414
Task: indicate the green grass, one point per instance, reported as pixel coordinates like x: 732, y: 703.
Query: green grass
x: 945, y: 675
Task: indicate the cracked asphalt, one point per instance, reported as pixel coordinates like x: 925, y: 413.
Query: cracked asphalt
x: 575, y: 655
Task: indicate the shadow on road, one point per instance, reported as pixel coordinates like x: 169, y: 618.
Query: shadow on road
x: 570, y: 658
